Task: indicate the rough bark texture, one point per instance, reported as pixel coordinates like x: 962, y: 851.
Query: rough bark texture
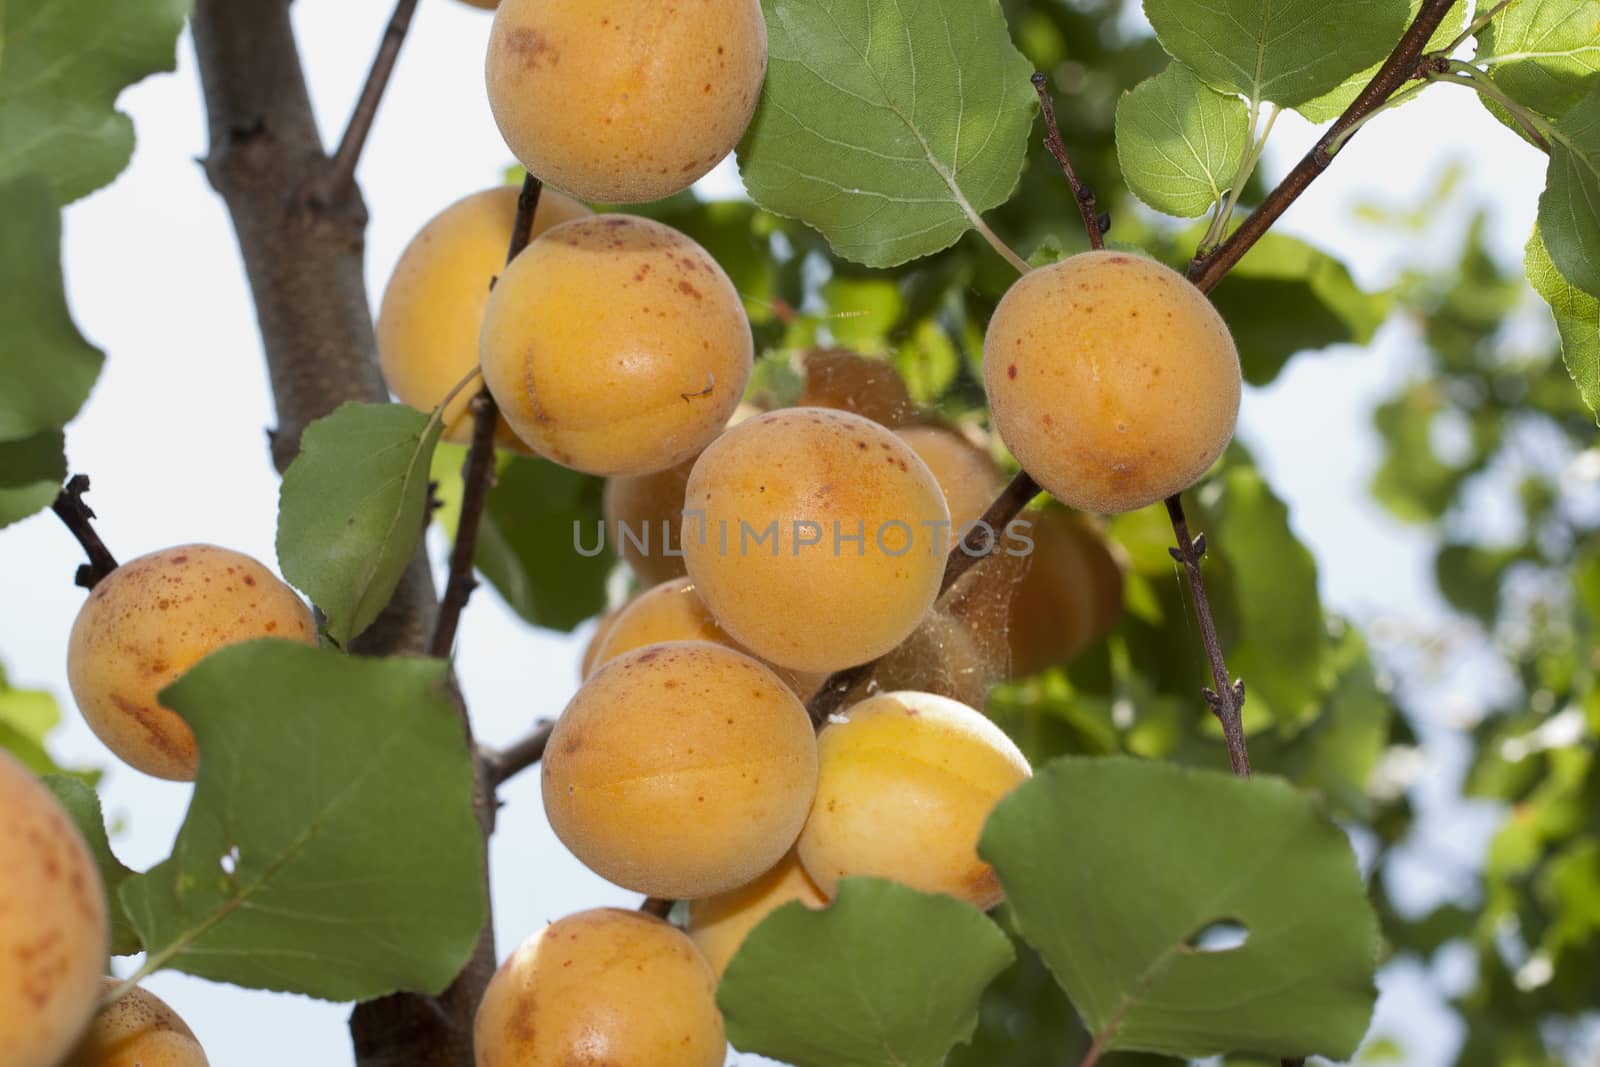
x: 304, y: 263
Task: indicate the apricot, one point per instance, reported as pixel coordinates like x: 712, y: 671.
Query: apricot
x: 680, y: 770
x: 867, y: 386
x: 968, y: 477
x: 718, y: 925
x: 1112, y: 380
x: 1068, y: 597
x: 616, y: 345
x: 597, y: 641
x: 604, y: 986
x: 487, y: 5
x: 432, y: 310
x: 816, y: 537
x: 54, y: 936
x: 644, y: 521
x: 625, y: 100
x: 137, y: 1030
x: 153, y: 618
x: 905, y: 784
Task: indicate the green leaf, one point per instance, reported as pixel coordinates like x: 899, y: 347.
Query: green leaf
x: 1331, y: 105
x: 62, y: 66
x: 1158, y: 855
x: 27, y: 717
x: 1179, y: 141
x: 1577, y: 317
x: 46, y: 367
x: 31, y: 472
x: 1284, y: 51
x: 884, y: 976
x: 1544, y: 53
x: 888, y: 125
x: 1569, y: 207
x: 83, y: 805
x: 331, y: 847
x: 352, y: 509
x: 536, y: 516
x: 1286, y: 297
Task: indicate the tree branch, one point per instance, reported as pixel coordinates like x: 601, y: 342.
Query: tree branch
x: 1403, y: 64
x: 341, y: 175
x: 477, y: 476
x: 506, y: 763
x: 77, y: 517
x: 1093, y: 223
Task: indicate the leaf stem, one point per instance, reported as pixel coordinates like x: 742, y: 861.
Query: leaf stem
x: 1538, y: 129
x: 1082, y: 195
x: 1006, y: 251
x: 151, y: 965
x: 1474, y: 27
x: 340, y: 176
x: 77, y: 517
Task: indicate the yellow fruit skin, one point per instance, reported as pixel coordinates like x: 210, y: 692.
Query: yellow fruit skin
x: 1068, y: 597
x: 616, y: 345
x: 718, y: 925
x: 680, y: 770
x: 53, y: 925
x: 1113, y: 381
x: 139, y: 1030
x: 487, y: 5
x: 905, y: 785
x: 969, y: 479
x: 650, y: 506
x: 625, y: 100
x: 152, y: 619
x: 432, y: 309
x: 867, y: 386
x: 831, y: 604
x: 602, y: 987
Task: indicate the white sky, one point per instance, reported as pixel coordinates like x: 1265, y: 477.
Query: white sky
x: 177, y: 424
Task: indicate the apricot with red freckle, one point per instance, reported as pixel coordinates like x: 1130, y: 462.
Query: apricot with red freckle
x: 866, y: 385
x: 153, y: 618
x: 53, y: 924
x: 137, y: 1030
x: 1112, y: 380
x: 616, y: 345
x: 969, y: 478
x: 603, y: 986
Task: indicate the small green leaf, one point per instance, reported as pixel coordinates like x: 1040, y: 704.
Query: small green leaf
x: 1283, y: 51
x: 1569, y: 207
x: 64, y: 64
x: 884, y: 976
x: 1179, y: 141
x: 83, y: 805
x: 46, y: 367
x: 888, y: 125
x: 31, y: 472
x: 1577, y: 317
x: 1544, y: 53
x: 1331, y: 105
x: 1116, y: 867
x: 27, y: 717
x: 352, y: 509
x: 331, y: 847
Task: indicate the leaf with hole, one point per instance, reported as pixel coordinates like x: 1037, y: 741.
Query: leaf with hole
x: 1577, y: 317
x: 1120, y: 872
x: 1283, y: 51
x: 1179, y: 141
x: 884, y: 976
x: 83, y: 806
x: 352, y: 508
x: 888, y: 125
x: 331, y: 846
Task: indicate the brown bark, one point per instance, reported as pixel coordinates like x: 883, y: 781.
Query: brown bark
x: 303, y: 258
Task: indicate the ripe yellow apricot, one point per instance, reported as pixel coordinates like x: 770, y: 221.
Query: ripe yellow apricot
x: 432, y: 310
x: 137, y: 1030
x: 624, y: 100
x: 906, y: 782
x: 616, y: 345
x: 680, y: 770
x: 869, y: 387
x: 53, y: 924
x: 820, y: 538
x: 1068, y: 597
x: 644, y: 521
x: 969, y: 479
x: 603, y: 986
x: 153, y: 618
x: 718, y: 925
x: 1113, y: 381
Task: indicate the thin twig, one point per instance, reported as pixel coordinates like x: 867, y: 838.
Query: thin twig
x: 503, y: 764
x: 1472, y: 30
x: 1227, y: 699
x: 77, y: 517
x: 1403, y: 64
x: 1082, y: 195
x: 478, y: 473
x: 342, y: 169
x: 660, y: 907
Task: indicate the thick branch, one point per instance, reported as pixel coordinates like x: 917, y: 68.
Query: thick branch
x: 1082, y: 195
x: 78, y: 517
x: 1402, y: 65
x: 342, y: 174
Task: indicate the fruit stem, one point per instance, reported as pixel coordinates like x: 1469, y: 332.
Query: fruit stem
x: 1082, y: 195
x: 76, y: 516
x: 478, y: 474
x: 339, y: 178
